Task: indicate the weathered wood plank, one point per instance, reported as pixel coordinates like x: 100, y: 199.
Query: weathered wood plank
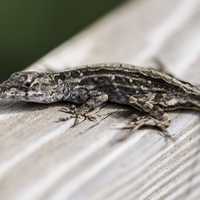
x: 41, y: 159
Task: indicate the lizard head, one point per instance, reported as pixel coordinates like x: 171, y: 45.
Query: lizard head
x: 33, y: 87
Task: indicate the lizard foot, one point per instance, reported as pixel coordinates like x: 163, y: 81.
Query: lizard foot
x: 143, y: 121
x: 78, y: 114
x: 149, y: 121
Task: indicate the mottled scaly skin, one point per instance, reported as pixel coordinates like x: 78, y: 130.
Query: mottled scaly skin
x: 148, y: 90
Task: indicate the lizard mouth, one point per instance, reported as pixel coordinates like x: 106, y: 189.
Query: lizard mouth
x: 9, y: 92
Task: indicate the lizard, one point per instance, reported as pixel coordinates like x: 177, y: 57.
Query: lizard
x: 149, y: 91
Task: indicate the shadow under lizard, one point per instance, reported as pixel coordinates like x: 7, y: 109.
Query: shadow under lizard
x: 149, y: 91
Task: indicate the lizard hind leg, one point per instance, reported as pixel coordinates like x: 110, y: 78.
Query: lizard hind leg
x: 147, y: 104
x: 145, y: 120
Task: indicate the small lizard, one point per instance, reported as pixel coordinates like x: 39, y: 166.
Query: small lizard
x: 149, y: 91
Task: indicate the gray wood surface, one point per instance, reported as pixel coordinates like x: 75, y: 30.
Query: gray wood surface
x: 42, y: 159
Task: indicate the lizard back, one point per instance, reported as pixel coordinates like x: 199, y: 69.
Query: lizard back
x: 120, y: 81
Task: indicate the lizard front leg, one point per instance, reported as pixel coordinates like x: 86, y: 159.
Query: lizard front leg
x: 84, y: 109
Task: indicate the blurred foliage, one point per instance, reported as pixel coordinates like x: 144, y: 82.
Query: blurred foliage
x: 30, y: 28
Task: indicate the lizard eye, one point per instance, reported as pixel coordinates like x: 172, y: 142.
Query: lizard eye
x: 27, y: 84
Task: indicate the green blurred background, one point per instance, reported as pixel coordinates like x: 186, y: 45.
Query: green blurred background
x: 31, y: 28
